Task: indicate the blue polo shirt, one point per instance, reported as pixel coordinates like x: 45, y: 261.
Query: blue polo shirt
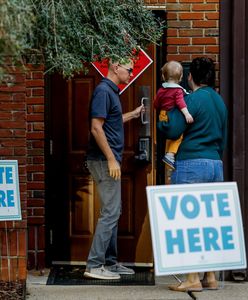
x: 105, y: 103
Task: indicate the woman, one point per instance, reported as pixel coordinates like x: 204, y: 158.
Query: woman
x: 199, y: 156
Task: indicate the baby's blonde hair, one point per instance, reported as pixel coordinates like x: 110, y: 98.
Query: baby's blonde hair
x: 172, y: 70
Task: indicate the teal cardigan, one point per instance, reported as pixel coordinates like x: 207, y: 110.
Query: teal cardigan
x: 206, y: 136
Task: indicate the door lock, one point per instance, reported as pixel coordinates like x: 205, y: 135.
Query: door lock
x: 144, y: 150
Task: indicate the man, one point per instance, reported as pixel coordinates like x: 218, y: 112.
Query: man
x: 104, y: 163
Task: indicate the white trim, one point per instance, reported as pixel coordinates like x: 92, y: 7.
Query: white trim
x: 156, y: 7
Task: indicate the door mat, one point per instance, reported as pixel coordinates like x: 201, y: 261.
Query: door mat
x: 73, y: 275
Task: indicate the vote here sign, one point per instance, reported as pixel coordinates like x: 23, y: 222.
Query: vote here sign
x: 10, y: 208
x: 196, y: 228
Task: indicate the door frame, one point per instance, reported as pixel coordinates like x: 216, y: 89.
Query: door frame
x: 160, y: 60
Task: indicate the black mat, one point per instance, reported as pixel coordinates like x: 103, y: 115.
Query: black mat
x: 73, y: 275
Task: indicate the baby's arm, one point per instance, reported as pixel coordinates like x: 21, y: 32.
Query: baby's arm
x: 187, y: 115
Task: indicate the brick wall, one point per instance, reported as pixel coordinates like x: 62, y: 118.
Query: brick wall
x: 193, y: 29
x: 13, y: 141
x: 35, y: 166
x: 22, y: 138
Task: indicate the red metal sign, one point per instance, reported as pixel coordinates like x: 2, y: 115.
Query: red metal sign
x: 143, y: 62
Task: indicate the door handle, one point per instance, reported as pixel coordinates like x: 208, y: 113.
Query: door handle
x: 144, y: 113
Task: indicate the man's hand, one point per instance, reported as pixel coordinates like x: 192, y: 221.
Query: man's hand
x: 133, y: 114
x: 114, y: 169
x: 138, y: 110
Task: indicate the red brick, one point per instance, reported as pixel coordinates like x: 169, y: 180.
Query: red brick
x: 204, y: 41
x: 22, y: 268
x: 172, y: 16
x: 13, y: 269
x: 37, y: 92
x: 5, y: 272
x: 6, y: 152
x: 3, y: 244
x: 191, y: 49
x: 39, y: 160
x: 35, y: 117
x: 212, y: 49
x: 4, y: 133
x: 34, y: 83
x: 39, y: 212
x: 172, y: 49
x: 36, y: 202
x: 6, y: 224
x: 22, y: 243
x: 177, y: 7
x: 12, y: 106
x: 212, y: 16
x: 19, y: 133
x: 20, y: 97
x: 35, y: 135
x: 179, y: 57
x: 36, y: 67
x: 39, y: 177
x: 35, y: 100
x: 191, y: 32
x: 36, y: 220
x: 5, y: 115
x: 191, y: 16
x: 192, y: 1
x: 37, y: 75
x: 13, y: 88
x: 37, y: 144
x: 33, y: 168
x: 204, y: 7
x: 204, y: 24
x: 172, y: 32
x: 12, y: 124
x: 182, y: 24
x: 14, y: 143
x: 39, y: 126
x: 178, y: 41
x: 12, y: 242
x: 5, y: 96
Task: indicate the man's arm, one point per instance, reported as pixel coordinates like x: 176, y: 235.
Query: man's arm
x: 101, y: 140
x: 132, y: 114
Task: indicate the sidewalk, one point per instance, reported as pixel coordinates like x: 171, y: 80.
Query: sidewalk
x: 38, y: 290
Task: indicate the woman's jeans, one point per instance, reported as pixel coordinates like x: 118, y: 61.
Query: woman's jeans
x: 104, y: 245
x: 197, y: 171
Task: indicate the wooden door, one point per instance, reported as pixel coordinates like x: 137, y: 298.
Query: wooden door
x: 72, y: 198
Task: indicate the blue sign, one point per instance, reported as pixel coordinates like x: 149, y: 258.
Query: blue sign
x: 10, y: 208
x: 196, y: 228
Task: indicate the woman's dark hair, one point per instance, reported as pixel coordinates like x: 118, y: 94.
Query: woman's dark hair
x: 203, y: 71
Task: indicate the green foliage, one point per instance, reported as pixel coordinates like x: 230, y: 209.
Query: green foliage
x: 16, y: 20
x: 68, y: 33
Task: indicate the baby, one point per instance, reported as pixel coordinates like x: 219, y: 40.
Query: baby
x: 171, y: 95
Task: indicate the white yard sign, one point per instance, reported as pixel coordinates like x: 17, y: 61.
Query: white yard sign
x: 10, y: 208
x: 196, y: 228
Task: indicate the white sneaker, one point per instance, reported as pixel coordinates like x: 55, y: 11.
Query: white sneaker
x: 120, y: 269
x: 101, y: 273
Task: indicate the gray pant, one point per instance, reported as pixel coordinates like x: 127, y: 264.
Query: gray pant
x: 104, y: 245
